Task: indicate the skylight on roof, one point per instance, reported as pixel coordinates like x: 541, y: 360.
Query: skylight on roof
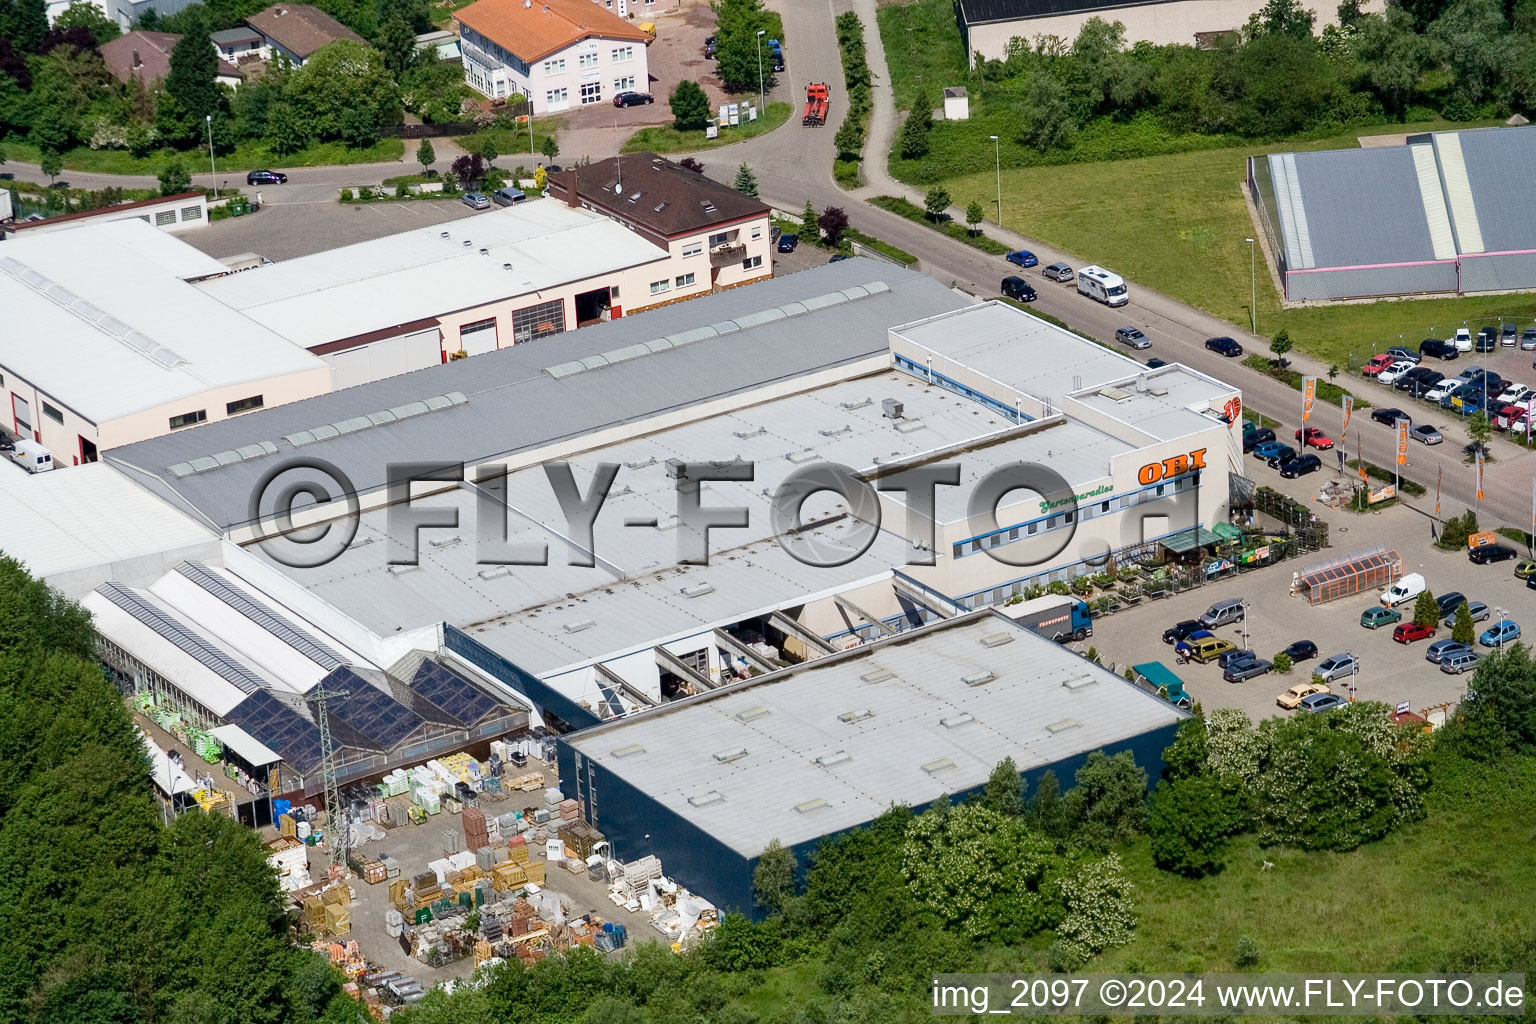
x: 943, y: 764
x: 808, y: 806
x: 752, y: 714
x: 978, y: 678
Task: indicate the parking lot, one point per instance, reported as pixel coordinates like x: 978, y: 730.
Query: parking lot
x: 1511, y: 362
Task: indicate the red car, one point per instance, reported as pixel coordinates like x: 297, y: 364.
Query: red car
x: 1408, y: 632
x: 1316, y: 439
x: 1377, y: 364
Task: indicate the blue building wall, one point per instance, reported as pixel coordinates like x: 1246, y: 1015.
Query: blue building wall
x: 540, y: 693
x: 626, y: 816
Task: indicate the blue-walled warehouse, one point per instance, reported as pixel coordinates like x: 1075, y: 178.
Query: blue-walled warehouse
x: 819, y: 749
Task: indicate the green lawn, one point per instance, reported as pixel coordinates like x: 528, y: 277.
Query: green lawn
x: 248, y: 155
x: 667, y: 139
x: 1178, y: 222
x: 512, y: 144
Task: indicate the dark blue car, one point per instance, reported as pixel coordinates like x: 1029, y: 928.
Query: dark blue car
x: 1023, y: 258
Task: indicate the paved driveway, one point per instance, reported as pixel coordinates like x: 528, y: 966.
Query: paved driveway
x: 287, y: 228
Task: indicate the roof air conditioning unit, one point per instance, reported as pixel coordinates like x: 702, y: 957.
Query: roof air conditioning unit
x: 892, y: 408
x: 677, y: 469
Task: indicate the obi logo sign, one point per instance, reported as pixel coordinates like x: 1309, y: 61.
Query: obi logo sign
x: 1178, y: 465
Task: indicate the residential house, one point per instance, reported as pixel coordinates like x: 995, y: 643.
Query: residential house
x: 237, y: 44
x: 124, y: 13
x: 717, y: 237
x: 638, y: 8
x: 147, y: 57
x: 558, y: 53
x: 297, y: 31
x: 180, y: 212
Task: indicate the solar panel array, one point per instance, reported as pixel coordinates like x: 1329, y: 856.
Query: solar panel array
x: 465, y: 702
x: 376, y: 715
x: 183, y: 637
x: 287, y: 733
x: 300, y: 640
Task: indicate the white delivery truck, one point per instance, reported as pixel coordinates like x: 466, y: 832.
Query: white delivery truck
x: 1098, y: 283
x: 31, y: 456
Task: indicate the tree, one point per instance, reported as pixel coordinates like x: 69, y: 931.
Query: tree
x: 51, y: 161
x: 469, y: 169
x: 833, y: 222
x: 1282, y: 17
x: 426, y: 156
x: 488, y: 148
x: 1005, y: 790
x: 810, y: 231
x: 935, y: 202
x: 974, y: 215
x: 690, y: 107
x: 1280, y: 344
x: 914, y: 131
x: 1047, y: 813
x: 1479, y: 429
x: 1425, y: 611
x: 773, y: 880
x: 739, y: 58
x: 849, y: 139
x: 549, y: 147
x: 1463, y: 631
x: 1048, y: 119
x: 1282, y: 663
x: 1099, y: 913
x: 688, y: 163
x: 174, y: 177
x: 86, y: 15
x: 285, y: 131
x: 1498, y: 715
x: 1189, y: 824
x: 193, y: 80
x: 28, y: 24
x: 344, y: 91
x: 1108, y: 802
x: 397, y: 42
x: 746, y: 181
x: 1186, y: 756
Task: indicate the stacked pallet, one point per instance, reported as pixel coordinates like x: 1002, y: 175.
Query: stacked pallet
x: 637, y: 877
x: 475, y: 833
x: 314, y: 913
x: 580, y: 838
x: 338, y: 920
x: 509, y: 876
x: 570, y: 810
x: 517, y: 850
x: 535, y: 872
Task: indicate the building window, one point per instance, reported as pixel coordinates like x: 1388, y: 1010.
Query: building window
x: 623, y: 54
x: 538, y: 321
x: 557, y: 99
x: 719, y: 239
x: 587, y: 60
x: 1032, y: 529
x: 188, y: 419
x: 684, y: 280
x: 52, y: 413
x: 475, y: 328
x: 623, y: 84
x: 554, y: 67
x: 1104, y: 508
x: 752, y: 264
x: 657, y: 287
x: 164, y: 218
x: 693, y: 248
x: 191, y: 213
x: 243, y: 405
x: 592, y: 92
x: 757, y: 233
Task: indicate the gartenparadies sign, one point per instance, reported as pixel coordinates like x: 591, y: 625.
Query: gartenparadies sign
x: 1076, y: 499
x: 1178, y: 465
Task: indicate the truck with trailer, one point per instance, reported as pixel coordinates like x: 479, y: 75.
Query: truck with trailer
x: 817, y: 97
x: 1055, y: 617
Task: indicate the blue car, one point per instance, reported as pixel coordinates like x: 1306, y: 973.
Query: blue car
x: 1023, y: 258
x: 1500, y: 633
x: 1269, y: 449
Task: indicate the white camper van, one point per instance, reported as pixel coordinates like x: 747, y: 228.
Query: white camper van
x: 1098, y: 283
x: 31, y: 456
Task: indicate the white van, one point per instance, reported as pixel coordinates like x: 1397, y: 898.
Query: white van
x: 1404, y: 590
x: 31, y: 456
x: 1098, y: 283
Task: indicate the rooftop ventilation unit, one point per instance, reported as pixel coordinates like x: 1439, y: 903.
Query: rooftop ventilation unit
x: 907, y: 426
x: 727, y: 756
x: 752, y: 714
x: 878, y: 675
x: 834, y: 431
x: 850, y: 406
x: 956, y: 721
x: 831, y: 760
x: 697, y: 590
x: 1115, y: 394
x: 494, y: 572
x: 401, y: 570
x: 997, y: 640
x: 641, y: 465
x: 856, y: 715
x: 1075, y: 683
x: 1062, y: 726
x: 714, y: 796
x: 801, y: 457
x: 806, y: 807
x: 943, y: 764
x: 677, y: 469
x: 629, y: 751
x: 892, y: 408
x: 442, y: 234
x: 1141, y: 382
x: 446, y: 542
x: 744, y: 434
x: 467, y: 243
x: 578, y: 625
x: 978, y: 678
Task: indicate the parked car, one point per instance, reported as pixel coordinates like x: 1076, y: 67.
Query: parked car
x: 1528, y: 339
x: 266, y: 178
x: 709, y: 47
x: 1425, y: 434
x: 844, y: 256
x: 1514, y: 392
x: 1439, y: 349
x: 1261, y: 436
x: 1487, y: 340
x: 1315, y: 438
x: 1508, y: 335
x: 1437, y: 393
x: 1390, y: 416
x: 1394, y: 371
x: 1376, y: 364
x: 1322, y: 702
x: 1301, y: 465
x: 788, y: 243
x: 1023, y: 258
x: 476, y: 200
x: 1301, y: 650
x: 1246, y: 668
x: 1398, y: 352
x: 1058, y: 272
x: 1525, y: 569
x: 1210, y: 648
x: 1020, y: 289
x: 1489, y: 553
x: 1408, y: 632
x: 1375, y: 618
x: 1505, y: 631
x: 1449, y: 602
x: 1477, y: 609
x: 1291, y: 698
x: 1267, y: 450
x: 1181, y: 630
x: 1418, y: 379
x: 1133, y: 337
x: 1222, y: 613
x: 632, y: 99
x: 1225, y: 346
x: 1234, y: 655
x: 1424, y: 384
x: 508, y: 196
x: 1404, y: 590
x: 1340, y: 666
x: 1457, y: 662
x: 1153, y: 364
x: 1462, y: 340
x: 1285, y: 453
x: 1437, y: 651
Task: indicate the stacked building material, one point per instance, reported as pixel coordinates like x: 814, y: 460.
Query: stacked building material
x: 476, y: 834
x: 338, y: 920
x: 580, y: 838
x: 570, y: 810
x: 637, y: 877
x: 517, y: 850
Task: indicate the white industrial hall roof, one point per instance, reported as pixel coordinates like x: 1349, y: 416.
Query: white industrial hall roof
x: 105, y: 322
x: 397, y: 279
x: 819, y: 748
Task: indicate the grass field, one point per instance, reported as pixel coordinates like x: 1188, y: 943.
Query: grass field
x: 248, y: 155
x: 667, y: 139
x: 1178, y: 222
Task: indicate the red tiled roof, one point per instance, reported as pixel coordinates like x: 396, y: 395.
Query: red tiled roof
x: 534, y: 29
x: 154, y: 56
x: 300, y: 28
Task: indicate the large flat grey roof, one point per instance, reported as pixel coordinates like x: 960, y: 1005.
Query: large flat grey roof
x: 513, y: 405
x: 1501, y: 169
x: 773, y: 758
x: 1363, y: 206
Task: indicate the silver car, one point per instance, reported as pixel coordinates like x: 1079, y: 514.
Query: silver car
x: 1340, y: 666
x: 1058, y: 272
x: 476, y: 200
x: 1133, y: 337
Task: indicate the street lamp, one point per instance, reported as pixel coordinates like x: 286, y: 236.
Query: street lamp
x: 997, y: 162
x: 212, y: 171
x: 761, y: 96
x: 1253, y: 285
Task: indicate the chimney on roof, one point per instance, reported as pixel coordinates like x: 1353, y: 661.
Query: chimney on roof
x: 571, y: 198
x: 137, y: 63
